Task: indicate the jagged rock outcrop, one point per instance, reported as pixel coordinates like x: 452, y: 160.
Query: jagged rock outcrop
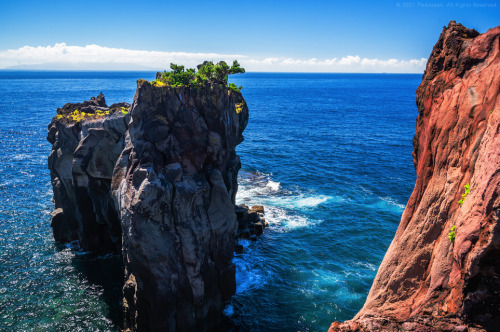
x: 251, y: 221
x: 87, y: 139
x: 174, y: 185
x: 157, y: 182
x: 426, y: 281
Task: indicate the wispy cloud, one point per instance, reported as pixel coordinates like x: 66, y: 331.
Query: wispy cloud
x: 347, y: 64
x: 62, y: 56
x: 96, y: 56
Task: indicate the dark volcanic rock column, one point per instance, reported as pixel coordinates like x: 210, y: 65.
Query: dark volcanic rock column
x: 174, y: 185
x: 87, y: 139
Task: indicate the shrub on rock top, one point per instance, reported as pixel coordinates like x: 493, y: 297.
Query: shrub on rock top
x: 208, y: 72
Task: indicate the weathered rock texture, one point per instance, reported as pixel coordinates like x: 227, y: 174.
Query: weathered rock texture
x: 81, y: 165
x: 427, y: 282
x: 251, y: 221
x: 174, y: 186
x: 157, y: 182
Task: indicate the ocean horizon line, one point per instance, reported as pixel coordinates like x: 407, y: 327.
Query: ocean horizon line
x: 153, y: 71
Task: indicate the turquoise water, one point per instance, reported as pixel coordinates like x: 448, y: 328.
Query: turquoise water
x: 329, y: 155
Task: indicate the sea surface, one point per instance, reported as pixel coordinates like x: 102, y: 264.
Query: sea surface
x: 328, y: 155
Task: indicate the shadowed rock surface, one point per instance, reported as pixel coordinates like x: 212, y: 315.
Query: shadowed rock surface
x: 84, y: 153
x: 251, y: 222
x: 427, y: 282
x: 156, y: 180
x: 175, y: 184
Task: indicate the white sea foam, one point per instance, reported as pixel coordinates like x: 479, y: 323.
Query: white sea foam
x: 283, y: 220
x: 281, y: 206
x: 269, y: 195
x: 300, y: 201
x: 273, y: 185
x: 253, y: 187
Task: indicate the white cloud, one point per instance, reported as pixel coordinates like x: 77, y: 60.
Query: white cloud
x: 99, y: 56
x: 347, y: 64
x: 350, y: 60
x: 62, y: 56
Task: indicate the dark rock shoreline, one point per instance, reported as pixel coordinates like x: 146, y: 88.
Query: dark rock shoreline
x: 156, y: 181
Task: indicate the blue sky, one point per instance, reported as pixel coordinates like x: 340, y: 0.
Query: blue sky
x: 255, y: 30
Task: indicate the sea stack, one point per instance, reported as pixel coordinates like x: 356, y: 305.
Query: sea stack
x: 442, y: 269
x: 87, y: 139
x: 156, y: 181
x: 175, y: 185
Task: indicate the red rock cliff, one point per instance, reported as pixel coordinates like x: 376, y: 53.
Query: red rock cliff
x: 426, y: 281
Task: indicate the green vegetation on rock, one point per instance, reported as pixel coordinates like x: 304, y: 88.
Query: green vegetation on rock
x: 208, y: 72
x: 178, y: 76
x: 451, y: 234
x: 464, y: 195
x: 233, y: 87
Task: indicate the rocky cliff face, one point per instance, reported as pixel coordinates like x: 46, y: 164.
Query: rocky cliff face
x: 174, y: 185
x: 157, y: 182
x: 87, y: 139
x: 431, y: 280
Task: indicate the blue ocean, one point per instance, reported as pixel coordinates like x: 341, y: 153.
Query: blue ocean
x: 328, y: 155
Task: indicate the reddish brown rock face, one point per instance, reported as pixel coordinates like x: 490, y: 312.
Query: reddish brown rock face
x: 426, y: 281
